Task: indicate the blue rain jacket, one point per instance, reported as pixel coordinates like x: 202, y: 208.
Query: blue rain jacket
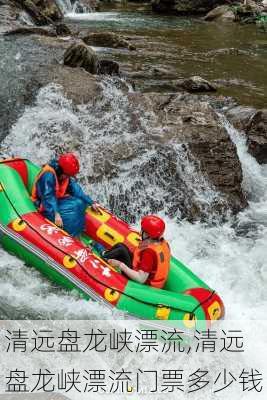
x: 71, y: 208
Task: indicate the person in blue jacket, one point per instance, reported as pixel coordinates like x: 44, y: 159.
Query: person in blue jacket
x: 58, y: 195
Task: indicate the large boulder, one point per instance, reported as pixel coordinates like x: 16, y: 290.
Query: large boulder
x: 108, y: 67
x: 43, y: 12
x: 256, y: 131
x: 168, y: 152
x: 221, y: 13
x: 107, y: 39
x: 196, y: 84
x: 185, y: 6
x: 78, y: 55
x: 240, y: 116
x: 79, y: 87
x: 82, y: 56
x: 254, y: 124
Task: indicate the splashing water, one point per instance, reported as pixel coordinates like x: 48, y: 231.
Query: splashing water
x: 230, y: 257
x: 71, y: 8
x: 123, y: 129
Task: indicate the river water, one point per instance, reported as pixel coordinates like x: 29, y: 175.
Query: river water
x: 232, y: 55
x: 230, y: 257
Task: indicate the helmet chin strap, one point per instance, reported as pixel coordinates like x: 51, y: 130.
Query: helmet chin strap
x: 144, y: 235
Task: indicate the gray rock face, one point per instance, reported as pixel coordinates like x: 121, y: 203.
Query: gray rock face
x: 8, y: 17
x: 39, y: 12
x: 185, y: 6
x: 257, y: 136
x: 254, y: 124
x: 240, y: 116
x: 197, y: 125
x: 184, y: 159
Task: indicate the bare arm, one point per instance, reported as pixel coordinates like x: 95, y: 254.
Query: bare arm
x: 138, y: 276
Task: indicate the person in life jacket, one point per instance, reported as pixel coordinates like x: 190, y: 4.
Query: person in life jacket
x: 59, y: 197
x: 150, y: 261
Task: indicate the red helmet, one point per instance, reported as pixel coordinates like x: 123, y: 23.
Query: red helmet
x: 153, y: 225
x: 69, y: 164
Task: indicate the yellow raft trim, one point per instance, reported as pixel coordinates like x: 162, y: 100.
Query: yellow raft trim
x: 109, y: 235
x: 18, y: 225
x: 189, y: 320
x: 134, y: 238
x: 214, y: 310
x: 163, y: 313
x: 103, y: 217
x: 69, y: 262
x: 111, y: 295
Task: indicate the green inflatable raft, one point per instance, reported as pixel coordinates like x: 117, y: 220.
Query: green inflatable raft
x: 72, y: 263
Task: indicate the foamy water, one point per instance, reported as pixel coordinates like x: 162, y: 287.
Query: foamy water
x: 92, y: 16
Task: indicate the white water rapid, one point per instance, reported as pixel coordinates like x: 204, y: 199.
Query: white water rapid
x: 72, y: 8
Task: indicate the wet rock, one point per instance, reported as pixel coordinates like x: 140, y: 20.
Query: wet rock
x: 108, y: 67
x: 31, y: 30
x: 80, y: 87
x: 43, y: 12
x: 247, y: 12
x: 82, y: 56
x: 8, y: 17
x: 220, y: 103
x: 252, y: 5
x: 185, y: 150
x: 196, y: 84
x: 198, y: 126
x: 107, y: 39
x: 221, y: 13
x: 240, y: 116
x: 63, y: 30
x: 256, y: 131
x: 185, y: 6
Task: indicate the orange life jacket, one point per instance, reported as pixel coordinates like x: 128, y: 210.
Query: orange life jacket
x: 162, y: 251
x: 60, y: 189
